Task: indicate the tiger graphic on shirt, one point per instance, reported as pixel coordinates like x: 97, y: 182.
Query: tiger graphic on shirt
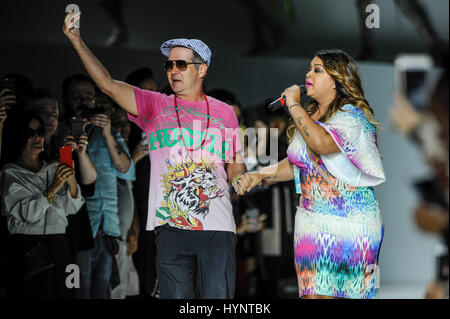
x: 189, y: 188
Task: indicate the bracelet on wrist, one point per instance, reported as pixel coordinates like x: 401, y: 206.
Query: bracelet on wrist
x: 49, y: 196
x: 293, y: 104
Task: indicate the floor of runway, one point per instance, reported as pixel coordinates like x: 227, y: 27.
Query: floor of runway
x: 402, y: 290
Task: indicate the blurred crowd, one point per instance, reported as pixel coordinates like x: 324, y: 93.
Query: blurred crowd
x: 99, y: 196
x: 429, y: 130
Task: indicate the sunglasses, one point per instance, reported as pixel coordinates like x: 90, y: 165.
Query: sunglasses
x: 181, y: 64
x: 31, y: 132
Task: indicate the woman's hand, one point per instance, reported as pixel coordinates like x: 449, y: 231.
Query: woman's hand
x: 247, y: 182
x: 3, y: 115
x: 63, y: 174
x: 70, y: 141
x: 80, y: 146
x: 7, y: 101
x: 72, y: 33
x: 292, y: 95
x: 403, y: 115
x: 102, y: 121
x: 71, y: 179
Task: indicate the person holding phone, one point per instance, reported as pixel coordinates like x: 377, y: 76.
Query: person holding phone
x: 36, y: 197
x: 183, y: 225
x: 334, y: 160
x: 429, y: 129
x: 7, y: 100
x: 112, y: 160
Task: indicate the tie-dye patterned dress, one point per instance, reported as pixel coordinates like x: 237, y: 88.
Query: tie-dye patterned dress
x: 338, y: 235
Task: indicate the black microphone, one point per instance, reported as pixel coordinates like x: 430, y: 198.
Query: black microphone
x: 275, y: 105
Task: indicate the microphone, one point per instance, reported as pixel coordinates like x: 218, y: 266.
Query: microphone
x: 275, y: 105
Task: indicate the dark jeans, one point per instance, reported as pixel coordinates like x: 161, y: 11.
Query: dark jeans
x: 50, y: 284
x: 95, y: 270
x: 184, y: 254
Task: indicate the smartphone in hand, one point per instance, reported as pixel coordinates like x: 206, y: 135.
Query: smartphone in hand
x: 65, y: 155
x: 77, y: 126
x: 413, y: 78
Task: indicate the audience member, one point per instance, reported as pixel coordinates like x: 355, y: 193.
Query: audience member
x: 78, y: 93
x: 111, y: 158
x: 430, y: 131
x: 36, y: 198
x: 19, y: 91
x: 45, y: 105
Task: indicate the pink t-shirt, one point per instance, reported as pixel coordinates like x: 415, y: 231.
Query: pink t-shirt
x: 188, y: 188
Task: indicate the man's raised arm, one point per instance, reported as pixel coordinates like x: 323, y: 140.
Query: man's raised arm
x: 121, y: 92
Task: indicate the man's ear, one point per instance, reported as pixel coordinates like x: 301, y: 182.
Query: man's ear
x: 202, y: 70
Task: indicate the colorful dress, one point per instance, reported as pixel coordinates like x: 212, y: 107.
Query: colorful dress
x: 338, y: 234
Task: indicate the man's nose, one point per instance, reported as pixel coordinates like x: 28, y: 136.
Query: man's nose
x: 174, y: 69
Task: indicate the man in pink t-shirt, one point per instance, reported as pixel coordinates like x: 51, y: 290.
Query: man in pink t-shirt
x: 194, y: 149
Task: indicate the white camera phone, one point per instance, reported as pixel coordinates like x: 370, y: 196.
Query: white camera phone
x: 413, y: 78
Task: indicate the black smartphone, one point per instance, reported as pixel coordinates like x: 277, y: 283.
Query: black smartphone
x: 8, y: 83
x: 77, y: 126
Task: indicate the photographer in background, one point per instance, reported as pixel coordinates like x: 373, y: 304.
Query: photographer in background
x: 110, y: 155
x: 430, y: 131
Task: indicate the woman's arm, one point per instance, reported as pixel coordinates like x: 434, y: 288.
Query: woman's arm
x: 279, y: 172
x: 314, y: 135
x: 88, y: 172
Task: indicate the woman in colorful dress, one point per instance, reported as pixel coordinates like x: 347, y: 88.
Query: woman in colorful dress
x: 334, y: 159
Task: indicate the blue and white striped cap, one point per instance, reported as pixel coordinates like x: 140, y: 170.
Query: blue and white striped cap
x: 196, y: 45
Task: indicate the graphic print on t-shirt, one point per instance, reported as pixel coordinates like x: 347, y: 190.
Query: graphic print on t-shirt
x: 189, y: 188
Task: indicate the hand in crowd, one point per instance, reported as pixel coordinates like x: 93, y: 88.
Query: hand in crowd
x: 102, y: 121
x: 404, y: 117
x: 63, y: 174
x: 246, y: 227
x: 139, y: 152
x: 79, y: 146
x: 431, y: 219
x: 3, y: 115
x: 261, y: 125
x: 132, y: 242
x: 7, y: 100
x: 69, y: 27
x: 247, y: 182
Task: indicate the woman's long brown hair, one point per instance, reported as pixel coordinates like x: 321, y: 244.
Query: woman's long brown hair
x: 342, y: 68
